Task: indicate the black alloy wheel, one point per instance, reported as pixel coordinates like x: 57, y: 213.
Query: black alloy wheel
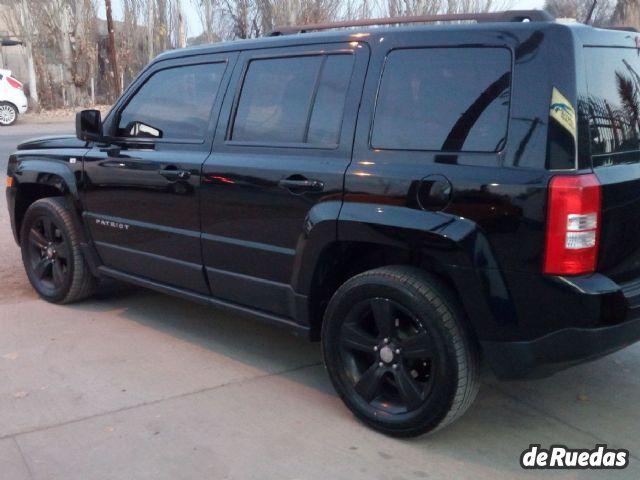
x: 48, y: 254
x: 397, y: 350
x: 51, y: 252
x: 388, y: 355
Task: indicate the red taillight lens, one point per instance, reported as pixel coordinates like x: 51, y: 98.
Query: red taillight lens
x: 14, y: 83
x: 573, y: 225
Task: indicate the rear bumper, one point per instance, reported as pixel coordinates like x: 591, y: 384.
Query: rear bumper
x: 19, y: 99
x: 619, y: 326
x: 558, y: 350
x: 22, y: 104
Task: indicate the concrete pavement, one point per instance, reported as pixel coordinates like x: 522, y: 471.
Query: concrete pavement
x: 137, y: 385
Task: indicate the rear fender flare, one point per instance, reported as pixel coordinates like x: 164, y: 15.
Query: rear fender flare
x: 319, y: 232
x: 457, y: 245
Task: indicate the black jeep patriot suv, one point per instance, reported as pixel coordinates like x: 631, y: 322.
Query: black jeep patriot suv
x: 417, y: 197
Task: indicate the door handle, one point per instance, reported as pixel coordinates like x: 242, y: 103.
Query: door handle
x: 298, y: 184
x: 173, y: 173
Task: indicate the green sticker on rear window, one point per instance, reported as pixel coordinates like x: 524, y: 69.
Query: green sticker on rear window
x: 563, y: 112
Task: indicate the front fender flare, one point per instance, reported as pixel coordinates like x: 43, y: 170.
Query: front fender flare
x: 56, y: 174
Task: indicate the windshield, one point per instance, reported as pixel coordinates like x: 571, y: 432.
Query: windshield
x: 613, y: 104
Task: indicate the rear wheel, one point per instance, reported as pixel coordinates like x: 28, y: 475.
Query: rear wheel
x: 8, y: 114
x: 51, y: 252
x: 397, y: 352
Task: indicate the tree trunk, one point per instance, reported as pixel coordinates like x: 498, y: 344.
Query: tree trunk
x: 66, y: 51
x: 113, y: 57
x: 151, y: 17
x: 181, y: 30
x: 208, y: 17
x: 627, y: 13
x: 26, y: 21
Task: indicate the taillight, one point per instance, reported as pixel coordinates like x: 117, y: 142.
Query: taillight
x: 14, y: 83
x: 573, y: 225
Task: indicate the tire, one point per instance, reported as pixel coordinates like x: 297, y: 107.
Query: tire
x: 8, y: 114
x: 395, y: 347
x: 51, y: 254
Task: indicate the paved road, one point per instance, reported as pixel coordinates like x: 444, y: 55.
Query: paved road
x: 136, y: 385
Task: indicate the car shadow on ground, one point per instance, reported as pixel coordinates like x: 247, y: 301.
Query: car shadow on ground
x: 588, y: 404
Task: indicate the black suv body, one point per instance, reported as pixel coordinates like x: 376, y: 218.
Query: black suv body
x: 479, y: 185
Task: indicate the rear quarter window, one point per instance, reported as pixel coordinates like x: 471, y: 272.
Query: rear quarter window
x: 444, y: 99
x: 612, y: 105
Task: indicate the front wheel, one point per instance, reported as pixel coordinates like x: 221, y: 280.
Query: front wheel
x: 397, y: 352
x: 8, y: 114
x: 51, y: 254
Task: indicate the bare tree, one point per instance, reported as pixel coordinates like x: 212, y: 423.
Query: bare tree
x: 131, y: 39
x: 627, y: 13
x: 17, y: 18
x: 113, y: 55
x: 151, y: 18
x: 208, y: 13
x: 358, y: 9
x: 243, y: 18
x: 66, y: 31
x: 579, y: 10
x: 27, y: 36
x: 65, y: 47
x: 399, y: 8
x: 178, y: 25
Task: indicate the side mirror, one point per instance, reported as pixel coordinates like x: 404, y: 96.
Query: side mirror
x: 89, y: 125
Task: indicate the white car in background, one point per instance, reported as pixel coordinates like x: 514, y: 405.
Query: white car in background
x: 13, y: 101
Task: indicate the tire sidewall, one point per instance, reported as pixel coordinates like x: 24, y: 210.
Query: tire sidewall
x: 438, y: 403
x: 37, y: 210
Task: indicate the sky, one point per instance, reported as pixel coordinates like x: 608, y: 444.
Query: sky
x: 194, y: 28
x: 528, y: 4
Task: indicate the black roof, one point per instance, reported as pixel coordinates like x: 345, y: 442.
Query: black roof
x: 584, y: 34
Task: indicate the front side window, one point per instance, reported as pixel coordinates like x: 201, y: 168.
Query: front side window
x: 174, y: 104
x: 295, y: 100
x: 444, y: 99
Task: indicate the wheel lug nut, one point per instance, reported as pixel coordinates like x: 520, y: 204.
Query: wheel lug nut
x: 386, y: 340
x: 381, y: 364
x: 397, y: 351
x: 394, y: 366
x: 375, y: 349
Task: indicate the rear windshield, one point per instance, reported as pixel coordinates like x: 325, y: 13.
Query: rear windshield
x: 612, y: 105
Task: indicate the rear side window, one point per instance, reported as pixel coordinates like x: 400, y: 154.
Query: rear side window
x: 613, y: 104
x: 444, y: 99
x: 295, y: 100
x: 173, y: 104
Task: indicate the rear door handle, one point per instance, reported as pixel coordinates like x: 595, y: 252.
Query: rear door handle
x: 301, y: 184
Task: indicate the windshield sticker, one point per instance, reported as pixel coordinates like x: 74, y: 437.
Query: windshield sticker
x: 563, y: 112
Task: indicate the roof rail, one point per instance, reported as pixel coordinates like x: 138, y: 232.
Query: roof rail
x: 506, y: 16
x: 621, y: 29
